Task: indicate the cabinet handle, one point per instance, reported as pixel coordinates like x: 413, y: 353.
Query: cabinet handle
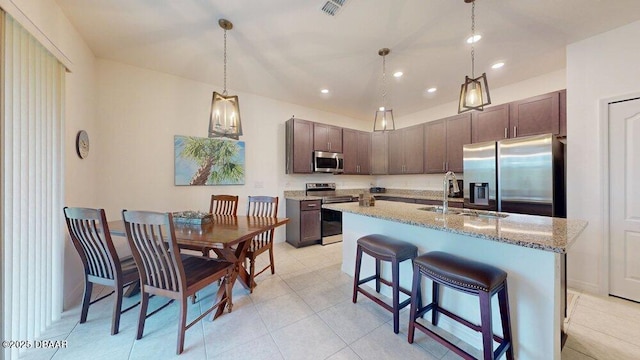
x: 515, y: 131
x: 444, y: 166
x: 312, y: 205
x: 505, y: 132
x: 329, y: 145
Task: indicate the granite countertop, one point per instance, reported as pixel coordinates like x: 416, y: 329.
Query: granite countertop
x: 537, y: 232
x: 402, y: 193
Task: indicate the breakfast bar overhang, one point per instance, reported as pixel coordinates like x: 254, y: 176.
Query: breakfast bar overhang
x: 529, y: 248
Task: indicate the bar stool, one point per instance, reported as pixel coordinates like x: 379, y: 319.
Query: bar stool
x: 470, y: 277
x: 383, y: 248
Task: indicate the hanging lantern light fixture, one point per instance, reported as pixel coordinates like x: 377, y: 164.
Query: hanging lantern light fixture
x: 384, y: 116
x: 224, y: 120
x: 474, y: 93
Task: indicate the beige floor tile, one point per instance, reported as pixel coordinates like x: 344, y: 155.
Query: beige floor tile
x: 623, y: 328
x: 570, y: 354
x: 322, y: 296
x: 270, y: 288
x: 261, y: 348
x: 600, y: 345
x: 344, y: 354
x: 282, y: 311
x: 351, y: 321
x: 309, y: 338
x: 303, y: 280
x: 612, y: 305
x: 383, y: 344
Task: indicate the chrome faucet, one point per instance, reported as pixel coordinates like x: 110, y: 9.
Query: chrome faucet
x: 445, y: 197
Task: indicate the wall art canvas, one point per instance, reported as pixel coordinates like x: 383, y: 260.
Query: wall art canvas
x: 208, y: 161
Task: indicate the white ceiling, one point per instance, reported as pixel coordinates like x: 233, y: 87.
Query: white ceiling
x: 289, y: 49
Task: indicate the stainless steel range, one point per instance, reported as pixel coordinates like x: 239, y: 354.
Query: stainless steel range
x: 331, y: 219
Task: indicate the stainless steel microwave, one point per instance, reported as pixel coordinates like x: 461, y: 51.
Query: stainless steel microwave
x: 328, y: 162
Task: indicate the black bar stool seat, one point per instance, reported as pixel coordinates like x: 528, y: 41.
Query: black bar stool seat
x: 383, y: 248
x: 471, y: 277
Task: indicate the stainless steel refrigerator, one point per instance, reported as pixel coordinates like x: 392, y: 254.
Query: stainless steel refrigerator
x: 522, y: 175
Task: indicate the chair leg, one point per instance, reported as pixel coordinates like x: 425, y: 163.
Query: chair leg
x: 485, y: 324
x: 505, y: 317
x: 182, y: 324
x: 415, y: 303
x: 117, y: 306
x: 86, y: 300
x: 395, y: 287
x: 252, y: 272
x: 273, y: 263
x: 356, y: 275
x: 377, y: 275
x: 229, y: 287
x: 435, y: 300
x: 144, y: 303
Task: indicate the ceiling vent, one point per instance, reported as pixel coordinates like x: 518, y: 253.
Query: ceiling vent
x: 333, y: 7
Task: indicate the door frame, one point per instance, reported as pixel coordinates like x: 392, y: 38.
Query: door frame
x: 604, y: 123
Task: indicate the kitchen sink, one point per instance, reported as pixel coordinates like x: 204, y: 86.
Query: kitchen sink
x: 464, y: 212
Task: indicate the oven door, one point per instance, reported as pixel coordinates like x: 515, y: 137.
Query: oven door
x: 331, y: 226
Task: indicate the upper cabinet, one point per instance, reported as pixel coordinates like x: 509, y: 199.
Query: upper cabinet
x: 406, y: 149
x: 299, y: 145
x: 327, y: 138
x: 492, y: 124
x: 537, y: 115
x: 379, y: 150
x: 356, y: 151
x: 443, y: 143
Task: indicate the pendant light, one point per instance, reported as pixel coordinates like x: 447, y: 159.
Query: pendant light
x: 474, y: 93
x: 384, y: 116
x: 224, y: 120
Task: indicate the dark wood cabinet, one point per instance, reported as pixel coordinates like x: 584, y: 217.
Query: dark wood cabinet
x: 535, y: 115
x: 304, y: 227
x: 356, y: 151
x: 299, y: 146
x: 492, y: 124
x: 443, y: 143
x: 327, y: 138
x: 563, y: 113
x: 379, y: 149
x: 406, y: 150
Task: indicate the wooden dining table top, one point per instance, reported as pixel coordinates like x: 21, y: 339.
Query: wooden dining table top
x: 222, y: 231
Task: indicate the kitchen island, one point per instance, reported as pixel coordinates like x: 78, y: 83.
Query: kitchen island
x: 529, y: 248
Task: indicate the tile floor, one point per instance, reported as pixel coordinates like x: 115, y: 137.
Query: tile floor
x: 305, y: 312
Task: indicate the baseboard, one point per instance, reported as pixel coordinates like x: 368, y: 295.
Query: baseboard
x: 585, y: 287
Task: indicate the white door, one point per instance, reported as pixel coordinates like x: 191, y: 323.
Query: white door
x: 624, y: 199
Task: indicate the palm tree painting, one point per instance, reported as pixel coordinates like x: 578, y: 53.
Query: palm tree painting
x: 208, y: 161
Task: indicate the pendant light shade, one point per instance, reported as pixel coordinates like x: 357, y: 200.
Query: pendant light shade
x: 383, y: 120
x: 224, y: 120
x: 474, y: 93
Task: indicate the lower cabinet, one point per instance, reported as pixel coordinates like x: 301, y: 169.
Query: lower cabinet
x: 305, y: 226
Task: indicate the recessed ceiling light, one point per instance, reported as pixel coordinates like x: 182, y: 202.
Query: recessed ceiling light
x: 474, y: 39
x: 432, y: 90
x: 497, y: 65
x: 324, y: 91
x: 397, y: 74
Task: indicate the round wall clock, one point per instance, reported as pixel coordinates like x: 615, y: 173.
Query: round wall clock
x: 82, y: 144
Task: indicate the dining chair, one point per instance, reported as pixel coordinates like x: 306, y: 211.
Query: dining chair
x: 262, y: 206
x: 224, y: 205
x: 89, y: 232
x: 164, y: 271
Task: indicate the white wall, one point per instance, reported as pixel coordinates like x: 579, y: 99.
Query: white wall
x: 598, y: 68
x: 141, y: 110
x: 531, y: 87
x: 45, y: 20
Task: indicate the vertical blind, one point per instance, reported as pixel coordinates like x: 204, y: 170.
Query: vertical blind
x: 32, y: 239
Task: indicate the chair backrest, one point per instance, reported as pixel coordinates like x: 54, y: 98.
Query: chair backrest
x: 266, y: 206
x: 224, y: 205
x: 155, y: 250
x: 263, y: 206
x: 90, y: 235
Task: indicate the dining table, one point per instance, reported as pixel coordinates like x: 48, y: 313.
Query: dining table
x: 229, y: 236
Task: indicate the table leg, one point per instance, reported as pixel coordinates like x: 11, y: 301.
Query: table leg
x: 236, y: 256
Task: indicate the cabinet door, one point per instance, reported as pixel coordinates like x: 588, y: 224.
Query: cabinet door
x: 435, y: 136
x: 364, y: 152
x: 379, y: 147
x: 302, y: 146
x: 458, y: 134
x: 413, y: 154
x: 327, y: 138
x: 492, y: 124
x: 536, y: 115
x: 396, y: 152
x: 310, y: 225
x: 350, y: 151
x: 563, y: 112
